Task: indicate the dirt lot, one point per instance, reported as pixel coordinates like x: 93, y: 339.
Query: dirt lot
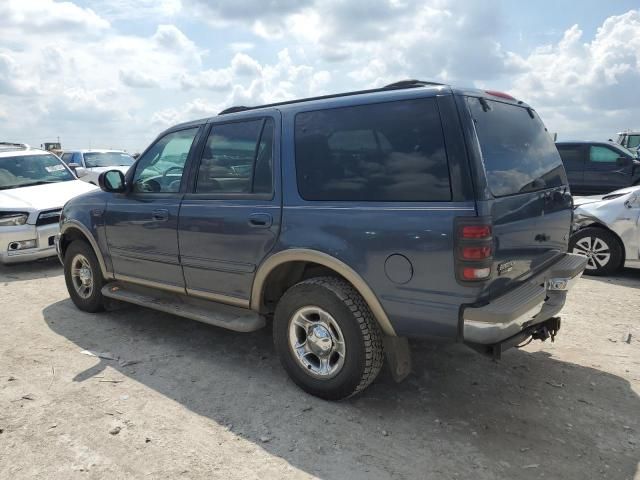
x: 180, y: 399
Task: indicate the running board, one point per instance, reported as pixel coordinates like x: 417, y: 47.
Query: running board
x: 213, y: 313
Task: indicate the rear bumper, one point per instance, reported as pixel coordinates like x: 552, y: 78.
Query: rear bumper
x: 537, y: 300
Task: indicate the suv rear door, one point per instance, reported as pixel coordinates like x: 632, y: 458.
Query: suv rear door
x: 230, y: 219
x: 530, y: 206
x: 573, y: 157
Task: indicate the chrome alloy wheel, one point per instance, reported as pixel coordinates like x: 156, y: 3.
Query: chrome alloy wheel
x: 317, y: 342
x: 82, y: 276
x: 595, y: 249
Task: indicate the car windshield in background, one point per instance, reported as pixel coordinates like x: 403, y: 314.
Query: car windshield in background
x: 107, y: 159
x: 631, y: 153
x: 519, y: 154
x: 27, y: 170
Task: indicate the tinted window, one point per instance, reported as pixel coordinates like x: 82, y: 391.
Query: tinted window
x: 599, y: 154
x: 66, y: 158
x: 519, y: 154
x: 232, y: 153
x: 571, y: 157
x: 383, y: 152
x: 161, y: 167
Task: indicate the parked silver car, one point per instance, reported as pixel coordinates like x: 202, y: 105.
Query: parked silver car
x: 34, y: 186
x: 607, y: 230
x: 89, y: 164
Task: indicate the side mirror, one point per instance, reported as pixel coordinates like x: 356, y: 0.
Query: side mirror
x: 623, y: 161
x: 81, y: 171
x: 112, y: 181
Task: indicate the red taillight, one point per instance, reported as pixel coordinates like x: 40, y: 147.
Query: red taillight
x: 476, y: 253
x: 470, y: 273
x: 474, y: 249
x: 493, y: 93
x: 476, y: 231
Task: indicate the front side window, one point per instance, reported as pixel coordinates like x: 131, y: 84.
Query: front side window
x: 28, y: 170
x: 238, y: 158
x: 518, y: 153
x: 386, y: 152
x: 599, y: 154
x: 107, y: 159
x: 66, y: 158
x: 160, y: 169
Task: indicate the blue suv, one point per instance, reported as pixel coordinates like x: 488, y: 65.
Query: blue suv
x: 348, y: 222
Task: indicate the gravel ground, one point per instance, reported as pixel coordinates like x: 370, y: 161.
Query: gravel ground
x: 176, y: 399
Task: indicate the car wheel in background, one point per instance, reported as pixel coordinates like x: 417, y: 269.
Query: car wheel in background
x: 83, y: 277
x: 601, y: 247
x: 327, y: 338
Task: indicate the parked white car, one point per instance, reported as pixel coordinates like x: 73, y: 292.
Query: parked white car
x: 89, y: 164
x: 34, y: 186
x: 607, y: 230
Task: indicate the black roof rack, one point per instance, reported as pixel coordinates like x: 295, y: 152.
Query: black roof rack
x: 392, y: 86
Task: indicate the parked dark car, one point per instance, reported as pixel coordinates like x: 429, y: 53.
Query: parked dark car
x: 596, y: 168
x: 350, y: 222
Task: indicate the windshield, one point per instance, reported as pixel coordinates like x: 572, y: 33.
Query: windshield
x: 26, y: 170
x: 519, y: 154
x: 107, y: 159
x: 631, y: 153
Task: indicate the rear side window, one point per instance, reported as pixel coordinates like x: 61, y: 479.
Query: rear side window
x: 519, y: 154
x: 571, y: 157
x: 383, y: 152
x: 238, y: 158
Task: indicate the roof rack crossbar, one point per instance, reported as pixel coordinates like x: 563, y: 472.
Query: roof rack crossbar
x: 393, y: 86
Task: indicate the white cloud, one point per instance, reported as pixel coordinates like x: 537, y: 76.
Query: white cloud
x: 50, y: 16
x: 137, y: 79
x: 584, y: 88
x: 85, y: 75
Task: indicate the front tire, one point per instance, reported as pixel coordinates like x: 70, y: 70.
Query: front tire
x: 601, y: 247
x: 327, y: 338
x: 83, y: 277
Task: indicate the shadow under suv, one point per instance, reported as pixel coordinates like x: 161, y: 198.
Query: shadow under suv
x: 350, y: 222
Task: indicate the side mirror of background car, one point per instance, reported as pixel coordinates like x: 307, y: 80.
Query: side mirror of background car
x: 112, y: 181
x: 73, y: 166
x: 623, y: 161
x: 80, y: 171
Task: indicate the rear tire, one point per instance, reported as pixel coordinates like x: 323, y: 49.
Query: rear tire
x: 83, y: 277
x: 602, y: 248
x: 327, y: 338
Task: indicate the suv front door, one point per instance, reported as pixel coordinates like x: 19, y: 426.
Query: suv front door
x: 603, y: 173
x: 142, y: 224
x: 230, y: 220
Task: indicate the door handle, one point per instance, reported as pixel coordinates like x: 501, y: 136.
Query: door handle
x: 160, y: 215
x: 260, y: 220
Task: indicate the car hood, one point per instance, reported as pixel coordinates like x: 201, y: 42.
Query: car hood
x: 43, y: 197
x: 577, y: 201
x: 122, y: 168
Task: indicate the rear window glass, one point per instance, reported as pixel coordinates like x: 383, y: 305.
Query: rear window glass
x: 383, y: 152
x: 519, y: 154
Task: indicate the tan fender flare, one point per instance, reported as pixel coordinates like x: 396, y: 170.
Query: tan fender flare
x: 306, y: 255
x: 84, y: 231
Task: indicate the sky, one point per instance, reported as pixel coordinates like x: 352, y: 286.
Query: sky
x: 116, y: 73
